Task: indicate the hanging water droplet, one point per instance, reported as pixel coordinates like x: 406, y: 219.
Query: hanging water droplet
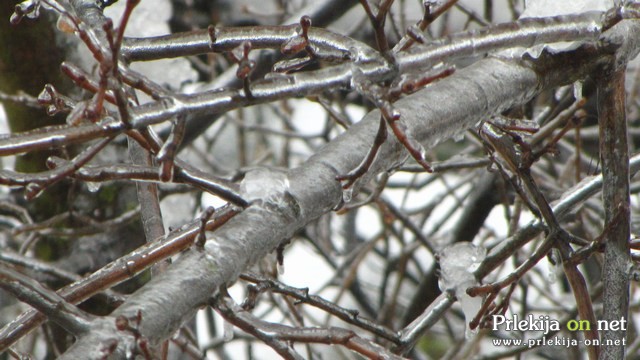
x: 93, y: 186
x: 280, y: 267
x: 552, y: 278
x: 395, y: 114
x: 347, y: 195
x: 577, y: 90
x: 457, y: 264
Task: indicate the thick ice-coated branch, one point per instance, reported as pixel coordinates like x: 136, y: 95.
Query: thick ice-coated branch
x: 362, y: 62
x: 524, y: 33
x: 432, y: 115
x: 614, y: 152
x: 116, y: 272
x: 45, y: 300
x: 321, y: 12
x: 226, y: 39
x: 567, y: 204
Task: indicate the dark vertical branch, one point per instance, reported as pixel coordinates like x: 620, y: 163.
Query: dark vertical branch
x: 615, y: 192
x: 377, y: 21
x: 150, y: 213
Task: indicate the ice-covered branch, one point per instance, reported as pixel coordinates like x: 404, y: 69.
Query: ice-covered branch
x: 432, y: 115
x: 46, y: 301
x: 569, y: 202
x: 614, y: 152
x: 361, y: 61
x: 115, y: 272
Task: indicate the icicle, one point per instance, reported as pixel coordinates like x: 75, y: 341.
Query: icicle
x: 347, y: 194
x: 577, y: 90
x: 457, y: 264
x: 227, y: 331
x: 554, y: 266
x: 422, y: 150
x: 552, y: 278
x: 93, y: 186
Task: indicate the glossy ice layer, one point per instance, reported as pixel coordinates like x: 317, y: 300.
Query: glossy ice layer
x: 457, y: 264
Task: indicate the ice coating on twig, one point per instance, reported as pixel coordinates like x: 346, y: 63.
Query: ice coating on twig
x: 264, y: 184
x: 544, y: 8
x: 457, y: 264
